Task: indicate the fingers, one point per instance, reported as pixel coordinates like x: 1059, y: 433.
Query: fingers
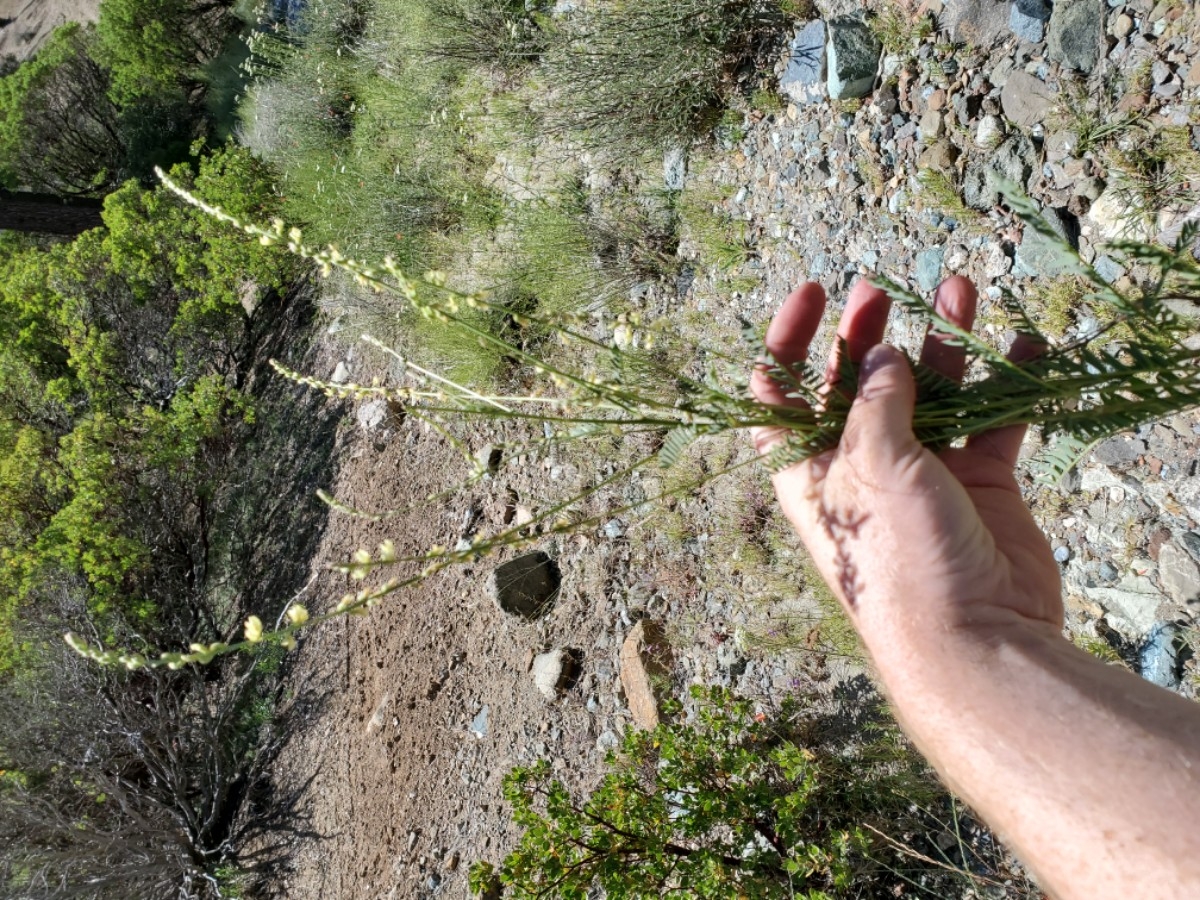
x: 1004, y: 443
x: 879, y: 426
x: 861, y: 327
x: 956, y: 301
x: 788, y: 338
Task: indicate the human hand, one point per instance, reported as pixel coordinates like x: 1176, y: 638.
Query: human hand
x: 921, y: 548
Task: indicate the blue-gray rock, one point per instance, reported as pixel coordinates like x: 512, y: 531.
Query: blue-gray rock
x: 674, y: 169
x: 1027, y: 19
x: 1160, y: 656
x: 1108, y: 268
x: 804, y: 78
x: 1076, y: 32
x: 978, y: 22
x: 929, y: 267
x: 1062, y: 554
x: 479, y: 724
x: 1038, y: 255
x: 853, y: 58
x: 1108, y: 572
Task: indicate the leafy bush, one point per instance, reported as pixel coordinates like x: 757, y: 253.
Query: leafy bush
x: 125, y: 356
x: 59, y: 131
x: 733, y: 804
x: 155, y: 47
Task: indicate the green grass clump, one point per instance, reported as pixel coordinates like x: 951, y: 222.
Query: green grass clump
x: 719, y: 239
x: 897, y: 30
x: 1154, y: 170
x: 939, y: 192
x: 1056, y: 303
x: 366, y: 129
x: 652, y: 74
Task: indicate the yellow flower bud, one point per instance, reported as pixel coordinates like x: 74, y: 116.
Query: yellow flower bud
x: 297, y: 614
x: 254, y: 629
x: 288, y: 642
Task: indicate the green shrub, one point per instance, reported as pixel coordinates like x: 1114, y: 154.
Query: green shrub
x: 155, y: 47
x: 732, y: 804
x: 653, y: 74
x: 500, y: 34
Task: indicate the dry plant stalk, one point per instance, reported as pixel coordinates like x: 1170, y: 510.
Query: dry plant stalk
x: 1136, y: 367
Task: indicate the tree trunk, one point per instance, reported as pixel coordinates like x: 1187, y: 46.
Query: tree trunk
x: 47, y: 213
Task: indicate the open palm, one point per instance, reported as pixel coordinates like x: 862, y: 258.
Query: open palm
x: 915, y: 544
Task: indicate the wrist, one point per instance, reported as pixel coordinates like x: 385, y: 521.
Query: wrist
x: 920, y: 661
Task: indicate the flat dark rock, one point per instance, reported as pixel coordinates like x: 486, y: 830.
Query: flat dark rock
x: 527, y: 586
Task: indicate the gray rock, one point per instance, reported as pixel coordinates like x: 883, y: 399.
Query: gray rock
x: 978, y: 22
x: 853, y: 58
x: 1132, y: 605
x: 1026, y: 99
x: 1012, y: 161
x: 1190, y: 541
x: 1108, y: 572
x: 553, y: 672
x: 1160, y: 656
x: 804, y: 77
x: 674, y: 169
x: 479, y: 725
x: 607, y: 741
x: 1062, y: 553
x: 932, y: 125
x: 1119, y: 452
x: 1122, y: 26
x: 1179, y: 574
x: 996, y: 263
x: 1027, y: 19
x: 929, y: 267
x: 1038, y: 255
x: 527, y: 586
x: 1075, y: 33
x: 372, y: 415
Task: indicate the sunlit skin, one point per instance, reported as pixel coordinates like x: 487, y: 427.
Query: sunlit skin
x: 1091, y: 774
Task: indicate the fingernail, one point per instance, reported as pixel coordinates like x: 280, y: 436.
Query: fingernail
x: 877, y: 358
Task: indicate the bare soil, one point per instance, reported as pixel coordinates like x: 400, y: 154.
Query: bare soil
x: 399, y: 782
x: 33, y: 20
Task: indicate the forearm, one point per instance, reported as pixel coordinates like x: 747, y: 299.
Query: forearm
x: 1090, y: 774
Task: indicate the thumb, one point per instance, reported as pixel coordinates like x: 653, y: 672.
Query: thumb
x: 879, y: 426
